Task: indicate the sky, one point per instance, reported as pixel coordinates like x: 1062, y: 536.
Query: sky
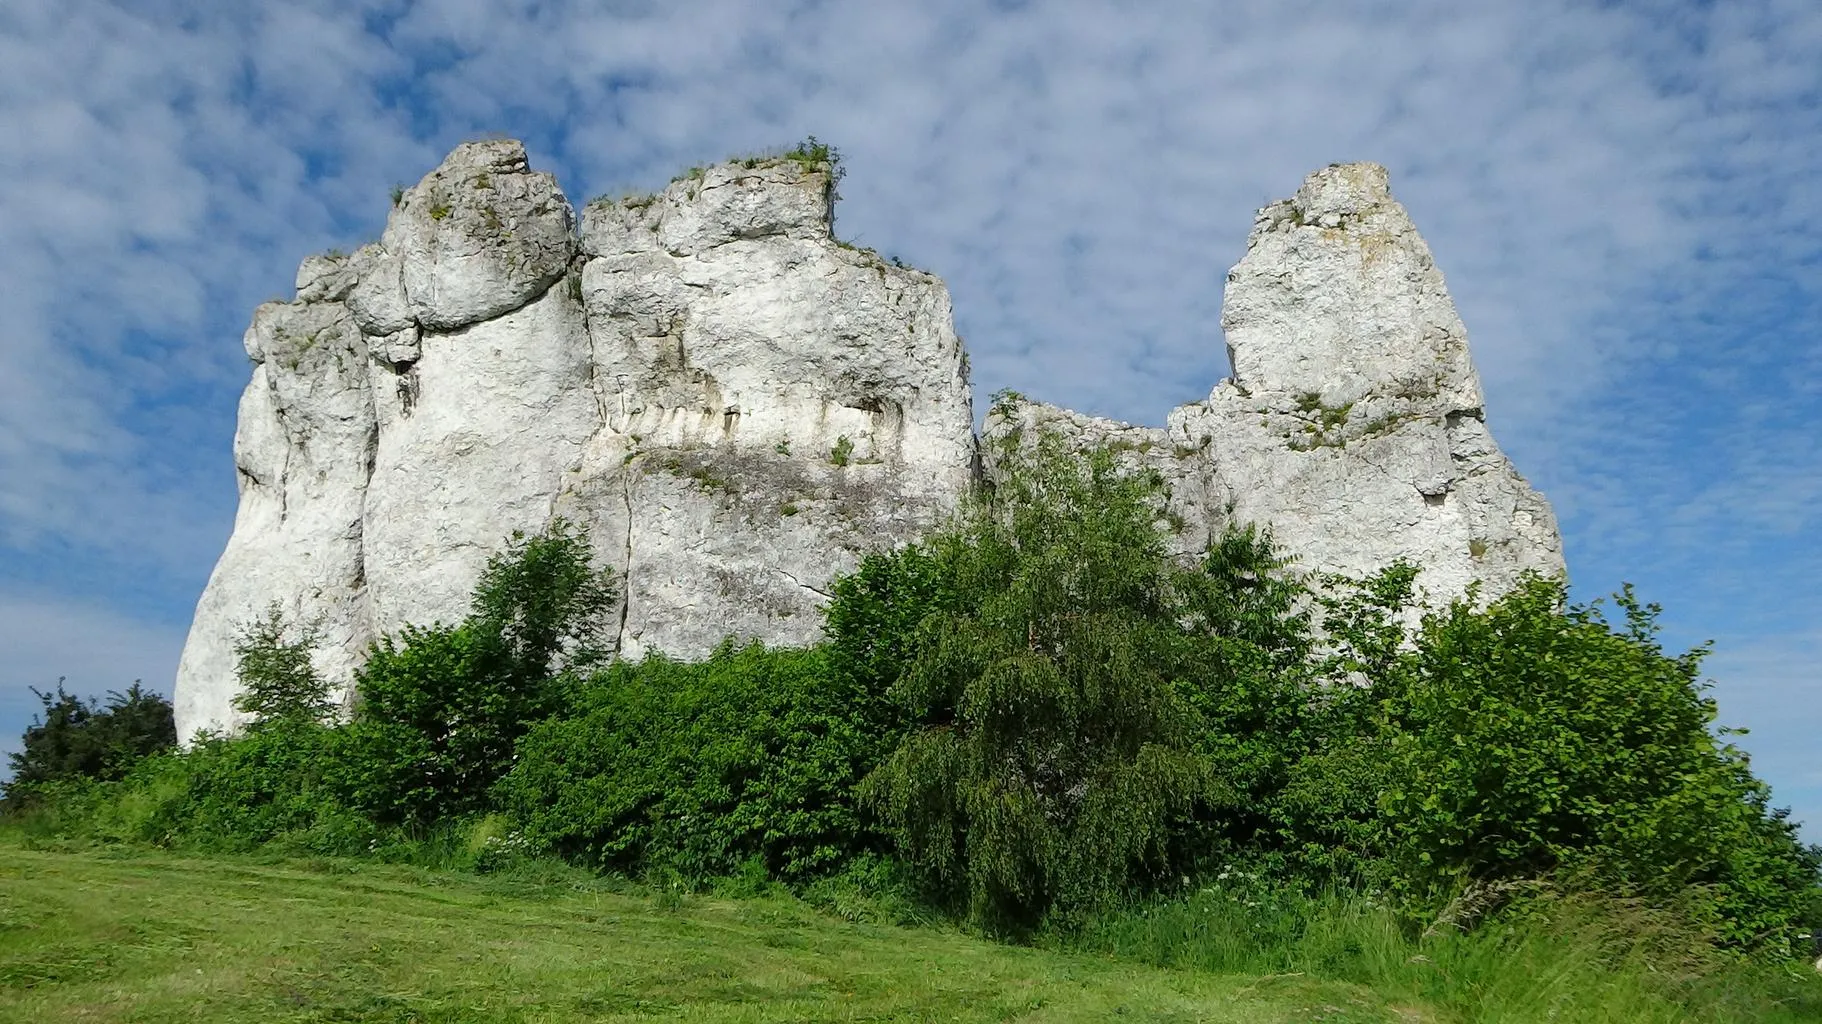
x: 1622, y: 197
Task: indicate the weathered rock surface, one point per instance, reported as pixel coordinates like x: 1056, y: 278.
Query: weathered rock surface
x: 1353, y: 426
x: 734, y: 406
x: 730, y: 403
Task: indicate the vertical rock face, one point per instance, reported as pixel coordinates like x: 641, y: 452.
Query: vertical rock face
x: 734, y: 407
x: 1353, y: 426
x: 303, y: 451
x: 774, y: 404
x: 730, y: 403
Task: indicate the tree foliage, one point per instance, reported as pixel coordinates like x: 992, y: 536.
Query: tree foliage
x: 1536, y: 736
x: 546, y: 602
x: 279, y: 684
x: 1060, y: 679
x: 75, y: 739
x: 699, y: 768
x: 441, y: 707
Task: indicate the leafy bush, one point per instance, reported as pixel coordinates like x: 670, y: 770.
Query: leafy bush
x: 227, y: 794
x: 1032, y: 718
x: 278, y: 682
x: 438, y: 715
x: 872, y: 623
x: 73, y: 739
x: 698, y: 768
x: 1073, y: 711
x: 546, y: 602
x: 1536, y: 737
x: 1327, y: 825
x: 441, y: 707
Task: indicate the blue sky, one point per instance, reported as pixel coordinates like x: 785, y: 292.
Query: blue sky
x: 1621, y: 195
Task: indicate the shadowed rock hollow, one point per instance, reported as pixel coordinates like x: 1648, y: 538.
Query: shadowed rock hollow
x: 734, y: 406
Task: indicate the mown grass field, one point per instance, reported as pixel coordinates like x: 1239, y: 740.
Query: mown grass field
x: 135, y: 935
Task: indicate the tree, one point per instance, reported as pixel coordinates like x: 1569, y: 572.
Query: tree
x: 279, y: 684
x: 546, y: 602
x: 1536, y: 736
x: 441, y: 707
x: 76, y: 739
x: 1059, y: 682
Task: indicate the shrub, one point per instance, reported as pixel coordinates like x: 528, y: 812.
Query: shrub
x: 1073, y: 713
x: 1327, y: 826
x: 278, y: 682
x: 547, y: 602
x: 233, y: 793
x: 813, y: 154
x: 1537, y: 737
x: 699, y: 768
x: 438, y: 715
x: 441, y: 707
x: 73, y: 739
x: 873, y: 619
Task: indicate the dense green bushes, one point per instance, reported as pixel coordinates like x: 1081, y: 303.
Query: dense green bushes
x: 281, y: 783
x: 1068, y: 729
x: 697, y: 769
x: 1041, y: 716
x: 440, y: 708
x: 73, y: 739
x: 1536, y: 737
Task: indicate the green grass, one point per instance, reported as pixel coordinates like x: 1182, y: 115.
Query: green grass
x: 1574, y: 957
x: 121, y: 934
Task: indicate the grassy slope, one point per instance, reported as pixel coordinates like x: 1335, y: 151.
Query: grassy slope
x: 143, y: 936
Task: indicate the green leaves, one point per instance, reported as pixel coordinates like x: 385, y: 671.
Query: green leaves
x: 442, y: 707
x: 1040, y: 711
x: 696, y: 768
x: 1534, y: 737
x: 1059, y: 681
x: 279, y: 685
x: 72, y: 739
x: 544, y: 599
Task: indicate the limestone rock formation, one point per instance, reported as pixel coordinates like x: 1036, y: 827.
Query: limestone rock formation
x: 730, y: 403
x: 1353, y: 426
x: 734, y: 406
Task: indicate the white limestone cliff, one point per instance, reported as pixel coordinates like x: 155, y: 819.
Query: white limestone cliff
x: 734, y: 406
x: 730, y: 403
x: 1353, y: 426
